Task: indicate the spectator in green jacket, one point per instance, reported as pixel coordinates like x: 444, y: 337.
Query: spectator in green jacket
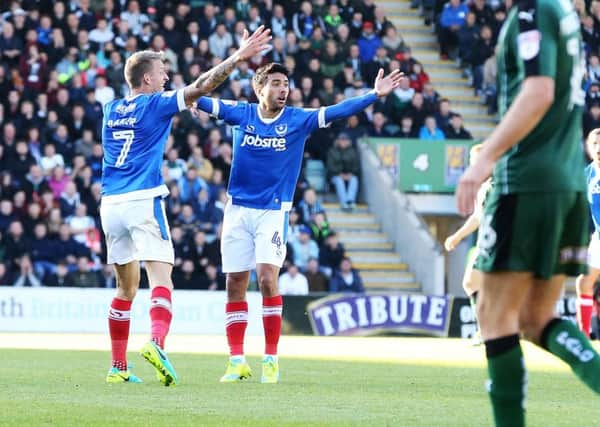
x: 343, y: 168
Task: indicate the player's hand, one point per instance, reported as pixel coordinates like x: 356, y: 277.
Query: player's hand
x: 469, y: 183
x: 257, y: 43
x: 451, y: 243
x: 385, y: 85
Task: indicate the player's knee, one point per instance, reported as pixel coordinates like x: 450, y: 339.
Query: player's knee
x: 267, y: 283
x: 532, y: 322
x: 236, y: 287
x: 127, y: 293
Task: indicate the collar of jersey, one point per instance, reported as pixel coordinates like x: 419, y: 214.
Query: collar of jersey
x: 268, y: 120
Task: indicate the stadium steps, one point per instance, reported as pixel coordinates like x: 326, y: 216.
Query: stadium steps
x: 445, y: 75
x: 371, y: 251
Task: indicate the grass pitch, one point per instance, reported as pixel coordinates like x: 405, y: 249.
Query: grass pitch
x: 408, y: 382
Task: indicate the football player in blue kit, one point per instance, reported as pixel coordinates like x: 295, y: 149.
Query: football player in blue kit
x: 268, y: 145
x: 134, y: 135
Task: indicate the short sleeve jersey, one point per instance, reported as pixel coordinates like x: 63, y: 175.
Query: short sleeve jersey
x: 134, y: 135
x: 267, y: 153
x: 542, y: 38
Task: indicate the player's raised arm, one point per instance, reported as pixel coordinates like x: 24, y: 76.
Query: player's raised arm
x: 210, y: 80
x: 383, y: 87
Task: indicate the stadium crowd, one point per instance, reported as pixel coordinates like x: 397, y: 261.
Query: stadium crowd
x: 62, y: 61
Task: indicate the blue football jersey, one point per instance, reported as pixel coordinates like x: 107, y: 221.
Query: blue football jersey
x: 134, y: 135
x: 267, y: 153
x: 593, y: 193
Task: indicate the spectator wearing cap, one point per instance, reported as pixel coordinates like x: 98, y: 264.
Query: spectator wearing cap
x: 346, y: 279
x: 292, y: 282
x: 455, y: 129
x: 369, y: 42
x: 452, y: 19
x: 304, y: 248
x: 430, y: 131
x: 343, y: 168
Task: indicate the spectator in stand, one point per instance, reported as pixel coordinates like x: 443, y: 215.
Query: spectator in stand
x: 84, y: 276
x: 304, y: 248
x: 59, y: 278
x: 482, y: 50
x: 43, y: 252
x: 305, y: 21
x: 309, y: 206
x: 35, y: 183
x: 81, y: 223
x: 25, y: 274
x: 369, y: 42
x: 187, y: 277
x: 467, y: 37
x: 220, y: 41
x: 417, y: 111
x: 278, y: 22
x: 331, y: 254
x: 190, y: 184
x: 292, y: 282
x: 320, y: 228
x: 455, y: 129
x: 11, y: 46
x: 482, y: 11
x: 418, y: 78
x: 452, y: 19
x: 16, y: 243
x: 443, y: 114
x: 591, y: 119
x: 407, y: 130
x: 51, y: 159
x: 58, y: 181
x: 392, y: 41
x: 346, y: 279
x: 378, y: 128
x: 6, y: 215
x: 430, y: 131
x: 378, y: 61
x: 206, y: 213
x: 317, y: 280
x: 293, y: 228
x: 212, y: 280
x: 69, y: 249
x: 343, y: 168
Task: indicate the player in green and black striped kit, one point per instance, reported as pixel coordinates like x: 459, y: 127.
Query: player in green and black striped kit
x: 534, y: 230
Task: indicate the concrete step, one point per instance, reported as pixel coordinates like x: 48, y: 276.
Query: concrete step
x: 411, y: 38
x: 406, y: 287
x: 380, y: 266
x: 351, y: 226
x: 368, y: 246
x: 456, y: 92
x: 363, y: 218
x: 400, y: 279
x: 355, y: 236
x: 477, y: 110
x: 374, y: 257
x: 334, y: 208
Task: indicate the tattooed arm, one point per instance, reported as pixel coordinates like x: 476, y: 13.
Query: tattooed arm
x: 211, y: 79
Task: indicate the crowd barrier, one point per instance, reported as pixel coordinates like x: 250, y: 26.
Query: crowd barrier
x: 202, y: 312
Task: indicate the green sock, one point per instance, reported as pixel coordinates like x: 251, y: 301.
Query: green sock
x: 564, y: 339
x: 508, y: 380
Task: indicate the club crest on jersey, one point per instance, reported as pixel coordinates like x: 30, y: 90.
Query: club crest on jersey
x: 281, y: 129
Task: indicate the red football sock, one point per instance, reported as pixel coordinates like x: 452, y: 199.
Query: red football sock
x: 160, y: 314
x: 272, y: 322
x: 118, y: 326
x: 585, y: 306
x: 236, y: 320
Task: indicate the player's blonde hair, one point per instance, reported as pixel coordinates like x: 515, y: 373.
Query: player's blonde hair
x: 139, y: 64
x: 474, y: 152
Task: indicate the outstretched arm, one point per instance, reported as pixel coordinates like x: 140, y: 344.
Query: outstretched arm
x: 383, y: 86
x: 210, y: 80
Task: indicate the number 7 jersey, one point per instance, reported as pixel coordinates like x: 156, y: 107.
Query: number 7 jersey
x: 134, y: 135
x: 541, y: 38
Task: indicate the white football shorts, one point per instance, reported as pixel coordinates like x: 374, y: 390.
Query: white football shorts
x: 136, y: 230
x: 252, y: 236
x: 593, y: 256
